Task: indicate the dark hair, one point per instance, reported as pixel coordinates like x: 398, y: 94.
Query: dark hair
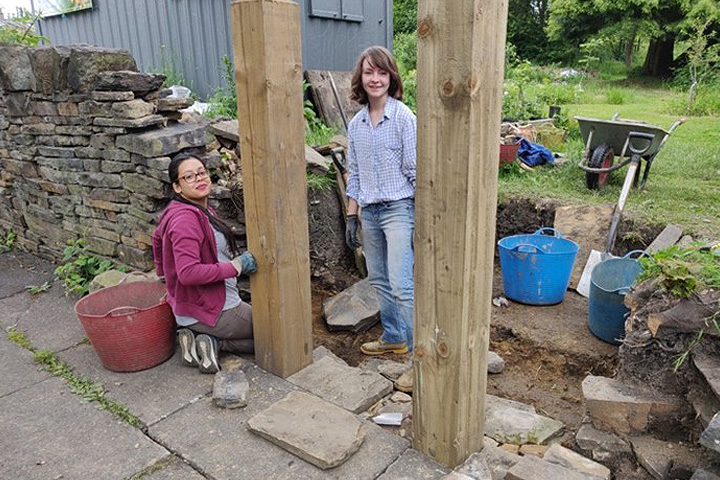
x: 173, y: 174
x: 379, y: 57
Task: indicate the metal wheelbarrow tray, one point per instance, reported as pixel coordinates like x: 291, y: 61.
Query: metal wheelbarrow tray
x: 603, y: 138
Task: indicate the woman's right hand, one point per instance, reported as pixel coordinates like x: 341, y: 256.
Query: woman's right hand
x: 245, y: 263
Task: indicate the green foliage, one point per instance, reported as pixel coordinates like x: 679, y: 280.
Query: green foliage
x: 168, y: 67
x: 405, y: 52
x: 80, y: 267
x: 404, y: 16
x: 316, y: 133
x: 21, y: 31
x: 323, y: 183
x: 617, y: 96
x: 707, y: 102
x: 83, y: 386
x: 223, y: 102
x: 7, y: 241
x: 18, y: 337
x: 682, y: 270
x: 37, y: 289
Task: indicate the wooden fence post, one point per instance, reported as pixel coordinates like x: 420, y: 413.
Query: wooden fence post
x: 460, y: 72
x: 268, y: 70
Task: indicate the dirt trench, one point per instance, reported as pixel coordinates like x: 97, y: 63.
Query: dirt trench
x: 548, y: 351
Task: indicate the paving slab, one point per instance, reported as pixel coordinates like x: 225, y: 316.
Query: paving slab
x: 533, y: 468
x: 151, y: 394
x: 50, y: 321
x: 352, y: 388
x: 317, y: 431
x: 413, y: 465
x: 565, y: 457
x: 602, y: 445
x: 173, y: 468
x: 217, y: 442
x: 21, y: 269
x: 14, y: 307
x: 72, y: 440
x: 490, y: 459
x: 17, y: 369
x: 507, y: 423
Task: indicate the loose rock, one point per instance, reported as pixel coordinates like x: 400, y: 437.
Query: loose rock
x: 230, y: 389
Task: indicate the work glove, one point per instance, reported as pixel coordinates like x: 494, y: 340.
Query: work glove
x: 245, y: 263
x: 351, y: 229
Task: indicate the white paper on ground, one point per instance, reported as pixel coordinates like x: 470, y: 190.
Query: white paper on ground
x: 389, y: 419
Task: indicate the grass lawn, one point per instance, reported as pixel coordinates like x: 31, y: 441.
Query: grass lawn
x: 684, y: 182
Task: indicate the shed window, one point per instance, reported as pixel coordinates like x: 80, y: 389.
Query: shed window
x: 350, y: 10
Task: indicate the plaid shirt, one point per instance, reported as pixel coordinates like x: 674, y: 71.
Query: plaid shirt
x: 382, y: 160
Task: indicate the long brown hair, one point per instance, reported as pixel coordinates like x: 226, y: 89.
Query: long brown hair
x: 222, y: 227
x: 379, y: 57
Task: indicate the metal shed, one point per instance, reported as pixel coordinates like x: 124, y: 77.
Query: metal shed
x: 194, y: 35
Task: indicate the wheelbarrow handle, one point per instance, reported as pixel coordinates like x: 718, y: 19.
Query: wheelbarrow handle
x: 556, y: 233
x: 641, y: 135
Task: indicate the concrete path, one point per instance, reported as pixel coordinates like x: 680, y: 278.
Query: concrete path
x: 49, y: 432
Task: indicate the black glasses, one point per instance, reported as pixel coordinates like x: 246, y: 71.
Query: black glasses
x: 194, y: 177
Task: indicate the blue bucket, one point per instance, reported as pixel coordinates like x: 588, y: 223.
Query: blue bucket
x: 536, y: 268
x: 610, y: 280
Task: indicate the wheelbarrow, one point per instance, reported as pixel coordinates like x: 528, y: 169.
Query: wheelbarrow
x: 605, y: 137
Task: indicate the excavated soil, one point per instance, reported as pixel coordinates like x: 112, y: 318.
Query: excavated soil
x: 548, y: 350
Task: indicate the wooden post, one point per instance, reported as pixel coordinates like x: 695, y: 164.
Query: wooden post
x: 268, y: 71
x: 460, y: 72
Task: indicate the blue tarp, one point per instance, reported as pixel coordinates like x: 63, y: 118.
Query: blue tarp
x: 533, y: 154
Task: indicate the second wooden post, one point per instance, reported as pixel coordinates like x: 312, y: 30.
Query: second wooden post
x: 461, y: 48
x: 268, y: 70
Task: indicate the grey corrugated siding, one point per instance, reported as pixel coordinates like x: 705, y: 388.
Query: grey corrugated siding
x: 195, y: 34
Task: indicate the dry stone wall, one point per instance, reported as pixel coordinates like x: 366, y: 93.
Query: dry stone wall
x: 85, y: 141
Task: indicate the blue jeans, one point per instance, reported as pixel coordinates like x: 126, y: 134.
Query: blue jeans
x: 387, y: 235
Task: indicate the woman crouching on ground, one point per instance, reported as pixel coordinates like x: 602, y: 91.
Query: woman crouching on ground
x: 197, y: 254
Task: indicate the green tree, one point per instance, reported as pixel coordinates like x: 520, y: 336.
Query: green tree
x: 404, y: 16
x: 575, y: 21
x: 526, y: 29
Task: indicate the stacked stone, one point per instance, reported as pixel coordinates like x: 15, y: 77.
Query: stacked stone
x: 84, y: 146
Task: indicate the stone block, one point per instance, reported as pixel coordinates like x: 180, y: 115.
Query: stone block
x: 603, y: 445
x: 86, y: 62
x: 72, y: 130
x: 56, y: 151
x: 110, y: 206
x: 101, y: 246
x: 69, y: 141
x: 506, y: 422
x: 626, y: 408
x: 132, y: 109
x: 137, y: 82
x: 565, y: 457
x: 92, y: 165
x: 16, y: 72
x: 102, y: 140
x: 355, y: 309
x: 533, y: 468
x: 701, y: 474
x: 134, y: 256
x: 230, y: 389
x: 141, y: 122
x: 48, y: 65
x: 69, y: 109
x: 710, y: 437
x: 44, y: 108
x: 709, y: 366
x: 99, y: 96
x: 38, y: 129
x: 144, y: 185
x: 109, y: 195
x: 172, y: 104
x: 88, y: 152
x: 46, y: 186
x: 652, y: 454
x: 62, y: 163
x: 166, y: 141
x: 95, y: 109
x: 155, y: 94
x: 228, y: 129
x: 50, y: 233
x: 102, y: 180
x: 23, y: 169
x: 351, y: 388
x: 537, y: 450
x: 316, y: 431
x: 18, y: 104
x: 108, y: 166
x: 493, y: 459
x: 495, y: 363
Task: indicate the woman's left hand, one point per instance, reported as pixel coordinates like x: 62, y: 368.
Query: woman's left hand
x: 245, y: 263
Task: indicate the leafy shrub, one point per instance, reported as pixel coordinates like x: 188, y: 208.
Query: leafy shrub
x: 618, y: 96
x: 21, y: 30
x: 80, y: 267
x: 682, y: 270
x: 223, y: 101
x: 707, y: 102
x: 7, y: 241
